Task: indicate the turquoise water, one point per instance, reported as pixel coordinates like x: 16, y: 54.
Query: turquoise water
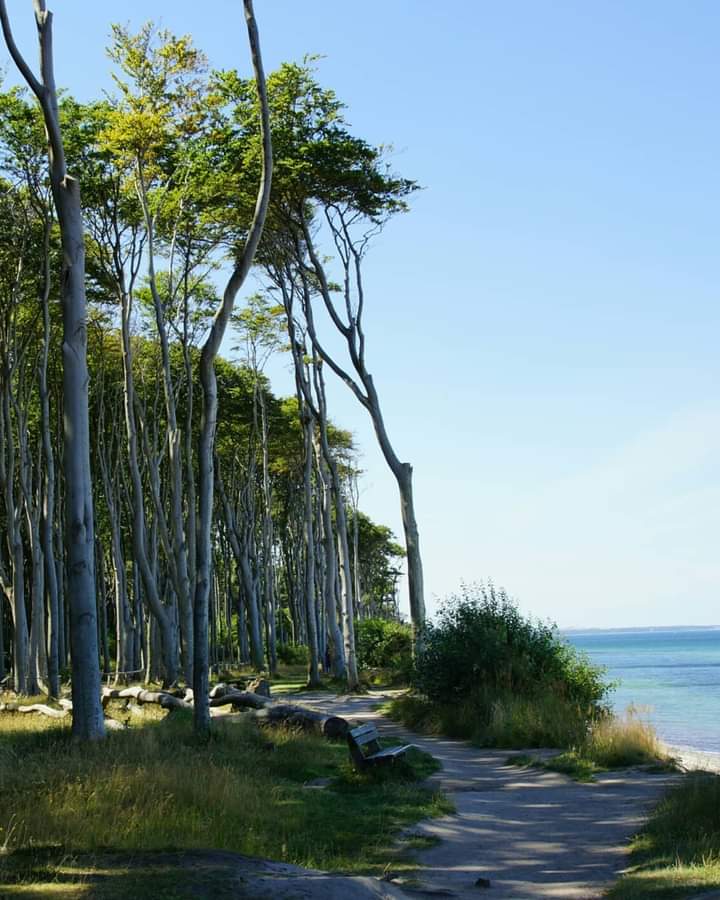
x: 673, y: 675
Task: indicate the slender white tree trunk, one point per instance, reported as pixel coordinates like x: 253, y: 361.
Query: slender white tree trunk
x: 208, y: 382
x: 88, y: 721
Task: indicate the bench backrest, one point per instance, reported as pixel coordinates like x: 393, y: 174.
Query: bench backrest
x: 363, y: 741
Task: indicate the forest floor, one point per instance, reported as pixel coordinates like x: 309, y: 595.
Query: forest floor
x: 134, y: 816
x: 530, y: 832
x: 154, y: 812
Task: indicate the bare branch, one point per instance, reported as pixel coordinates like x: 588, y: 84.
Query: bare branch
x: 37, y: 88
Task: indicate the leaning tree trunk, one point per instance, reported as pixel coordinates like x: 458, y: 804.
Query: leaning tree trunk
x: 208, y: 383
x: 267, y: 541
x: 139, y: 530
x: 403, y: 475
x: 178, y: 558
x: 366, y: 393
x: 88, y: 720
x: 2, y: 627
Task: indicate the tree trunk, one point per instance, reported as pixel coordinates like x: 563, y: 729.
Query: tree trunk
x: 208, y: 383
x: 309, y: 539
x: 139, y: 530
x: 330, y: 574
x: 179, y: 558
x: 88, y: 720
x: 48, y: 514
x: 16, y: 552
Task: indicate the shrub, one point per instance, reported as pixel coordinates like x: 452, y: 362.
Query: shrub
x: 491, y: 674
x: 482, y: 643
x: 293, y: 654
x: 384, y: 645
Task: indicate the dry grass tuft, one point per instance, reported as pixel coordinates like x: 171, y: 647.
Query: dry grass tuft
x: 626, y: 740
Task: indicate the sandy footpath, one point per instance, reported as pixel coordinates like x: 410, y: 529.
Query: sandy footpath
x: 532, y: 833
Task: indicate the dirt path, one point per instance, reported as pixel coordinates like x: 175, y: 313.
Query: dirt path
x: 531, y: 833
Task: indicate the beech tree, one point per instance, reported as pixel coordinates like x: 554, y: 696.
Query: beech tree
x: 333, y: 187
x: 224, y: 532
x: 208, y: 382
x: 88, y: 722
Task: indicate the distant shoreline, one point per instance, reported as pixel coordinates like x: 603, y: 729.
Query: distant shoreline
x: 639, y: 628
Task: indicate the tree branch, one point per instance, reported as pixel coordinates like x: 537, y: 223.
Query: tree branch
x: 37, y: 88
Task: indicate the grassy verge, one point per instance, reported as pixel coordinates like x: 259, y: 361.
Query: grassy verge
x: 612, y: 743
x: 501, y: 720
x: 71, y: 813
x: 677, y: 854
x: 608, y: 743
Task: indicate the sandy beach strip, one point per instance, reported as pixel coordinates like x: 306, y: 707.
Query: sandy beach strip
x: 692, y: 760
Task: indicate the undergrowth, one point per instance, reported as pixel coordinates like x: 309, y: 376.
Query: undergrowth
x: 156, y: 787
x: 543, y: 721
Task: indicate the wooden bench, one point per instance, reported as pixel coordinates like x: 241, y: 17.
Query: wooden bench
x: 365, y: 748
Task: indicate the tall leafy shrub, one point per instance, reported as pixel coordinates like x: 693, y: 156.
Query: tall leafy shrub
x: 482, y: 647
x: 383, y: 644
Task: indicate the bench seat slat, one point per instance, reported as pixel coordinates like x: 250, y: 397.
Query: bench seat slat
x: 361, y: 729
x: 390, y: 751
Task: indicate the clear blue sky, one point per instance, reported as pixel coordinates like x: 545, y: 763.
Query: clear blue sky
x: 543, y: 326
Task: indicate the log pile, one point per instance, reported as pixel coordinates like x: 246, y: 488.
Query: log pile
x: 262, y: 709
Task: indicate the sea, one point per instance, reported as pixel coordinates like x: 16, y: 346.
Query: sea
x: 670, y: 675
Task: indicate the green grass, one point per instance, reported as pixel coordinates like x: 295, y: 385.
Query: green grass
x: 614, y: 742
x: 569, y: 763
x: 66, y: 809
x: 502, y: 721
x: 677, y: 854
x: 610, y: 742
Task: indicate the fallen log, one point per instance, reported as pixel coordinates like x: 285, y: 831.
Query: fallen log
x: 243, y: 699
x: 165, y: 700
x: 43, y: 710
x: 266, y: 710
x: 302, y: 717
x: 223, y: 687
x: 114, y: 725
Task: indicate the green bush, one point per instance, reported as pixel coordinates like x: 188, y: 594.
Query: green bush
x: 489, y: 673
x: 384, y: 645
x: 293, y: 654
x: 482, y: 643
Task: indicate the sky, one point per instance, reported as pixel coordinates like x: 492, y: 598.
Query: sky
x: 543, y: 324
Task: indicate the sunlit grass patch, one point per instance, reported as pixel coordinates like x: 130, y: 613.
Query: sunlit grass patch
x: 677, y: 854
x: 625, y: 740
x: 612, y: 742
x: 569, y: 763
x: 156, y: 787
